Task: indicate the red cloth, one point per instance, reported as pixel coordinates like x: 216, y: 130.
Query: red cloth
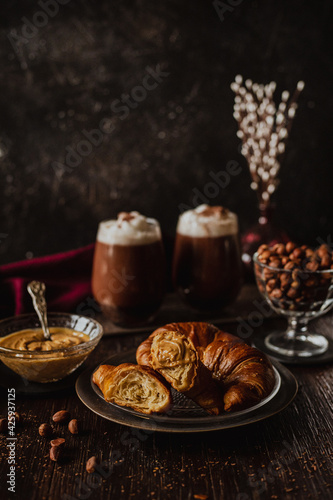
x: 66, y: 275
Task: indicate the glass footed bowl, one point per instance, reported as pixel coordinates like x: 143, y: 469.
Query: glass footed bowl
x: 299, y: 295
x: 49, y: 366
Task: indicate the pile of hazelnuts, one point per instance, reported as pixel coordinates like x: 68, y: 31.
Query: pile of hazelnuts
x: 295, y: 284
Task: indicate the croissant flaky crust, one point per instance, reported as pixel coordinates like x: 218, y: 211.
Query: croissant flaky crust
x: 134, y: 386
x: 174, y: 356
x: 245, y: 374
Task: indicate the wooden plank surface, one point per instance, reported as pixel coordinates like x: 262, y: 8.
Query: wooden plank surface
x: 287, y: 456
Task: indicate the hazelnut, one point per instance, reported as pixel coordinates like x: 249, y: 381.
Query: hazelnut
x: 280, y: 249
x: 58, y: 442
x: 61, y: 417
x: 272, y: 283
x: 292, y: 293
x: 309, y: 253
x: 45, y: 430
x: 262, y: 249
x: 3, y: 425
x: 18, y: 418
x: 297, y: 253
x: 268, y: 274
x: 275, y: 263
x: 325, y: 261
x: 91, y: 464
x: 266, y: 254
x: 290, y: 265
x: 73, y: 426
x: 322, y: 250
x: 312, y: 265
x: 310, y: 282
x: 276, y: 293
x: 55, y: 453
x: 290, y: 246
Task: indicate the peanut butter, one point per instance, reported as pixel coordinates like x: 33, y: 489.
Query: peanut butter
x: 33, y: 339
x: 51, y: 362
x: 171, y: 349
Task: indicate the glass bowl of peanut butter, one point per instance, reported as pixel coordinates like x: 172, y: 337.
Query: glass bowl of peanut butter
x: 24, y: 349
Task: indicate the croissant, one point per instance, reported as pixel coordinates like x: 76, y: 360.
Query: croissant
x: 174, y: 356
x: 244, y: 373
x: 137, y: 387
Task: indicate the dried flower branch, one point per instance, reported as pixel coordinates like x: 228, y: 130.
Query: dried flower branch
x: 264, y: 130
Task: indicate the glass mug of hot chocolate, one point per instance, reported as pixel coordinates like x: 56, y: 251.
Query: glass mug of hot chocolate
x: 128, y: 278
x: 207, y: 258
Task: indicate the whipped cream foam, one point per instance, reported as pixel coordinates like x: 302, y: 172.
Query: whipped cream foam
x: 130, y: 228
x: 207, y: 221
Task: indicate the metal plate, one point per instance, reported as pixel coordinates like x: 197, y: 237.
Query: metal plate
x: 185, y: 416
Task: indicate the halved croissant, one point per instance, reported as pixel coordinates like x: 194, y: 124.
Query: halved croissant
x: 137, y: 387
x: 174, y: 356
x: 245, y: 374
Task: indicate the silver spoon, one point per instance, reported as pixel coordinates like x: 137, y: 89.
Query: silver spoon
x: 37, y: 290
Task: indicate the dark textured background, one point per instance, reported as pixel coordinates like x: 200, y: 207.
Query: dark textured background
x: 66, y: 77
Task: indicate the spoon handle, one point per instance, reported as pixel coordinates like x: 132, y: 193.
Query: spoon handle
x: 37, y: 290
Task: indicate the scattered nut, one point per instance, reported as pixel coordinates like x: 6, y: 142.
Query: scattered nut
x: 91, y: 464
x: 55, y: 453
x: 73, y: 426
x: 58, y: 442
x: 18, y: 418
x: 45, y: 430
x: 3, y: 425
x: 61, y: 417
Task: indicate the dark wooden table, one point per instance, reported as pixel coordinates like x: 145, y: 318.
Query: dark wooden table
x: 288, y: 456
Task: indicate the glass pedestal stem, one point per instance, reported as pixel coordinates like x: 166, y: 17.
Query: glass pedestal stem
x: 297, y: 340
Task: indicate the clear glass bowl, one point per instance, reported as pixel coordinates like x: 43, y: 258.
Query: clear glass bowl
x: 299, y: 295
x: 49, y: 366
